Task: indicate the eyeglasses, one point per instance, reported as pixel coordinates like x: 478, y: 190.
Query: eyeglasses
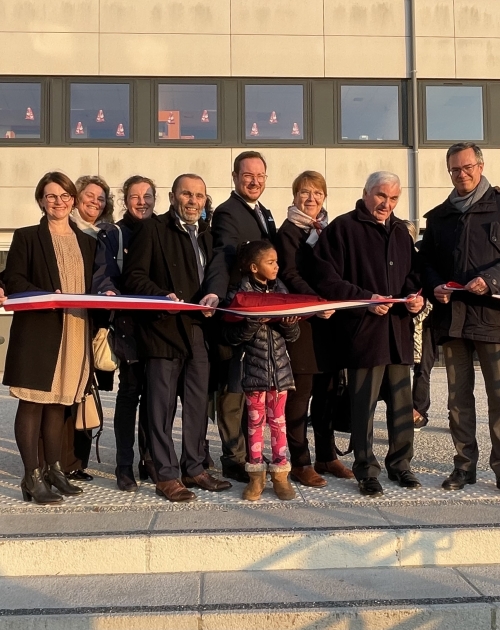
x: 189, y: 195
x: 317, y: 194
x: 248, y: 177
x: 53, y: 198
x: 468, y: 168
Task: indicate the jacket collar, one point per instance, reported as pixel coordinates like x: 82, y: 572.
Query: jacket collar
x: 364, y: 215
x: 171, y: 220
x: 235, y: 195
x: 249, y: 283
x: 447, y: 207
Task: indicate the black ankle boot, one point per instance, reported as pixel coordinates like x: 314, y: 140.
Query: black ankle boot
x: 55, y: 477
x: 147, y: 470
x: 35, y: 487
x: 125, y: 479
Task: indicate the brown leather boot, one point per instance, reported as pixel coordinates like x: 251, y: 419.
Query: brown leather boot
x: 254, y: 489
x: 335, y: 468
x: 281, y: 484
x: 174, y: 490
x: 307, y: 476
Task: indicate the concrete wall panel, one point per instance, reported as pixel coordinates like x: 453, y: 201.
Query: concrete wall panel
x: 365, y: 17
x: 477, y: 19
x: 41, y: 16
x: 283, y: 165
x: 165, y: 16
x: 434, y: 18
x: 351, y: 167
x: 169, y: 55
x: 433, y: 173
x: 435, y: 57
x: 280, y: 17
x: 478, y: 58
x: 367, y: 57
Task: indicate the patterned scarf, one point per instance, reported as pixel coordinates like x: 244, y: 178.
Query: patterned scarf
x: 313, y: 226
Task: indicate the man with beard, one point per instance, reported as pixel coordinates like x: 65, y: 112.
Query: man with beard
x: 167, y: 256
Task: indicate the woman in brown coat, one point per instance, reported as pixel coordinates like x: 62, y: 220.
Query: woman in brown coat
x: 48, y: 364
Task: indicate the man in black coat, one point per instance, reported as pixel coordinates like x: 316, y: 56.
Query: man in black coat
x: 240, y: 219
x: 462, y: 244
x: 368, y: 253
x: 167, y: 256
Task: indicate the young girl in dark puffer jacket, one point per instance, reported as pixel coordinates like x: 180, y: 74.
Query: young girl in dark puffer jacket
x: 262, y: 369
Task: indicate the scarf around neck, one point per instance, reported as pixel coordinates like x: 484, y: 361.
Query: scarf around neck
x: 314, y: 227
x: 465, y: 202
x: 84, y: 226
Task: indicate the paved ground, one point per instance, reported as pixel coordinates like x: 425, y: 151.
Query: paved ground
x: 433, y: 460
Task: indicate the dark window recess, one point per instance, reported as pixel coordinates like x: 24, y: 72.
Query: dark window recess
x: 274, y: 112
x: 454, y: 112
x: 369, y: 112
x: 20, y: 110
x: 187, y: 112
x: 99, y: 111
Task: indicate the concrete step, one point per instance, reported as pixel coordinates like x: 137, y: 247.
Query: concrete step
x: 248, y: 539
x: 431, y: 598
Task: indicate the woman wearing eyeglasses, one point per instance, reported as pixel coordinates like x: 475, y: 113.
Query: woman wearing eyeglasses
x: 48, y: 363
x: 311, y: 355
x: 139, y: 197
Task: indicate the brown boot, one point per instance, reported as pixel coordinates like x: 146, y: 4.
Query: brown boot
x: 335, y: 468
x: 174, y: 490
x: 281, y: 484
x: 307, y: 476
x: 254, y: 489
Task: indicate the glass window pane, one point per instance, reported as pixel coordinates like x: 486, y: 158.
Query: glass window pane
x: 20, y: 105
x: 454, y: 112
x: 100, y: 111
x: 187, y: 112
x: 370, y: 112
x: 274, y: 112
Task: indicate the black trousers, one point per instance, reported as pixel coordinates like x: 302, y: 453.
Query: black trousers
x: 297, y: 403
x: 231, y: 421
x: 131, y: 392
x: 459, y: 361
x: 364, y: 387
x: 162, y: 381
x: 422, y: 373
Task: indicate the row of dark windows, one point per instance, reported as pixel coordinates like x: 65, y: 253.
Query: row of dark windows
x: 232, y: 112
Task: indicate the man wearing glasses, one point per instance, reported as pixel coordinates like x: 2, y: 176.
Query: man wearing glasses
x: 240, y: 219
x: 461, y: 244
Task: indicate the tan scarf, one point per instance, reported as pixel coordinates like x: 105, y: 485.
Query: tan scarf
x: 313, y: 226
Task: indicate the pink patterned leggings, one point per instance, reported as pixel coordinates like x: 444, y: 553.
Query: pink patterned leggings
x: 272, y: 405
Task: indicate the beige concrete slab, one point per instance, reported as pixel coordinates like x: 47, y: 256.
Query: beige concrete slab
x: 434, y: 18
x: 478, y: 58
x: 365, y: 18
x: 436, y: 57
x: 277, y: 56
x: 351, y: 167
x: 479, y: 19
x: 433, y: 170
x: 168, y: 55
x: 165, y: 16
x: 19, y: 207
x: 280, y: 17
x: 49, y: 53
x: 48, y: 16
x: 366, y: 57
x: 100, y: 621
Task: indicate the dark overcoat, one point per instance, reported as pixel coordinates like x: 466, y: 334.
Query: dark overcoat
x: 459, y: 246
x: 234, y: 222
x: 356, y: 257
x: 35, y: 337
x: 311, y: 353
x: 161, y: 260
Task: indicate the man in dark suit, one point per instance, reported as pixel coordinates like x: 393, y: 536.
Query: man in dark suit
x: 240, y: 219
x: 167, y: 256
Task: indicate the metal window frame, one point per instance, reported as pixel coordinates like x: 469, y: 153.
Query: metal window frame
x: 92, y: 142
x: 306, y: 141
x: 218, y: 82
x: 423, y: 84
x: 44, y: 112
x: 403, y: 113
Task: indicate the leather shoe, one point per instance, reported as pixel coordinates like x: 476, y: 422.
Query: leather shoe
x: 405, y: 478
x: 458, y: 479
x: 174, y: 490
x: 335, y: 468
x: 79, y: 475
x: 125, y: 479
x: 307, y: 476
x: 236, y: 471
x: 206, y: 481
x: 370, y: 487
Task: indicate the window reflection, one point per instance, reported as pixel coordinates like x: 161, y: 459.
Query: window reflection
x: 100, y: 111
x: 20, y: 109
x: 454, y: 112
x: 187, y: 112
x: 370, y: 112
x: 274, y: 112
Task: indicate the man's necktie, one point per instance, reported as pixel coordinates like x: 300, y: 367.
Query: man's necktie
x: 194, y: 242
x: 261, y: 218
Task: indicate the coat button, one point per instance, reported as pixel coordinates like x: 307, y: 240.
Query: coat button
x: 391, y: 263
x: 493, y: 238
x: 493, y: 282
